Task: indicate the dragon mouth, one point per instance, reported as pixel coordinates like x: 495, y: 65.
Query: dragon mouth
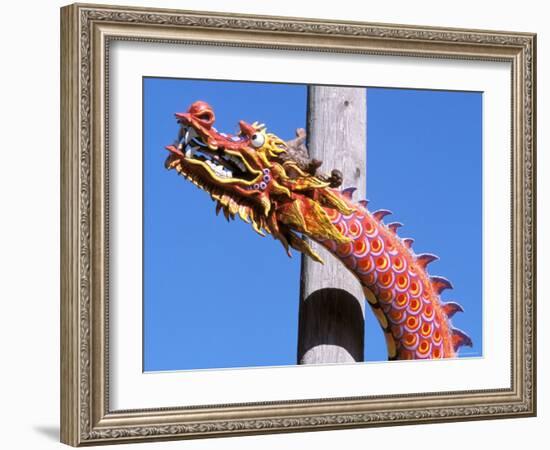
x: 191, y: 155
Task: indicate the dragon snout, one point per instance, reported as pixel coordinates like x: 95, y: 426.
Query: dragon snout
x: 199, y: 113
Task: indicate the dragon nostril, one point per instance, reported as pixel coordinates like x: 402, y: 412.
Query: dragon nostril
x: 202, y: 112
x: 205, y: 116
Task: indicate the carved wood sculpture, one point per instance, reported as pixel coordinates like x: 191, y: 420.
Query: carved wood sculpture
x: 274, y: 186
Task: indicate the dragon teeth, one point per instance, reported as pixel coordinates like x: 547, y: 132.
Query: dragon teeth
x: 219, y: 169
x: 189, y: 137
x: 237, y: 161
x: 190, y: 151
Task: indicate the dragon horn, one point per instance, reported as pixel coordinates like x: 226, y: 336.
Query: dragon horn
x: 426, y: 258
x: 408, y: 242
x: 394, y: 226
x: 348, y: 192
x: 451, y: 308
x: 460, y: 338
x: 439, y: 284
x: 381, y: 213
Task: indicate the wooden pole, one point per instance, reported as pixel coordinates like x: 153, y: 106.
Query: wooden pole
x: 332, y: 305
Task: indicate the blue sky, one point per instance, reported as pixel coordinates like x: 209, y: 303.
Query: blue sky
x: 218, y: 295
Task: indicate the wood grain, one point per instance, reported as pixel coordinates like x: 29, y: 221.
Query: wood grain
x: 331, y: 323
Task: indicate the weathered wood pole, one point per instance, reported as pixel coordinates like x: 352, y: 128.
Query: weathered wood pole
x: 331, y: 319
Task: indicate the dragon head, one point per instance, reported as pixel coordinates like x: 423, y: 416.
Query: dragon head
x: 252, y: 175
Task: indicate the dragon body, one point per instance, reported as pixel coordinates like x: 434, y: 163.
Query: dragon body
x: 255, y: 175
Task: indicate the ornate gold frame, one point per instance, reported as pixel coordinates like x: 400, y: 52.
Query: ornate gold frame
x: 86, y: 31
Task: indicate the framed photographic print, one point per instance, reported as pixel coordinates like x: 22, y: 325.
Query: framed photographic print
x: 281, y: 224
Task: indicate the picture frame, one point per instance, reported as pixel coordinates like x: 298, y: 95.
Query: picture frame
x: 87, y: 34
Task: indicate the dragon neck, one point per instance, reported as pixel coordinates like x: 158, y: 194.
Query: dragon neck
x: 403, y: 296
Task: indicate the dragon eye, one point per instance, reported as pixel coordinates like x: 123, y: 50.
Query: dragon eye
x: 257, y: 140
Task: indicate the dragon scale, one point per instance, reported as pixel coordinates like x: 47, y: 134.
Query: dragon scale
x: 403, y: 297
x: 266, y: 181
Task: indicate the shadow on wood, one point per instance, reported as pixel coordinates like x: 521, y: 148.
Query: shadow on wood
x: 331, y: 328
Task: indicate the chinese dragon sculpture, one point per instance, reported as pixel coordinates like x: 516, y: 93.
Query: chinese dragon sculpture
x: 273, y: 185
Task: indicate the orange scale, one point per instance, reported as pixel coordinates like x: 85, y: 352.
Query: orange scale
x: 436, y: 354
x: 396, y: 316
x: 350, y: 262
x: 410, y: 340
x: 437, y: 337
x: 426, y: 329
x: 365, y: 265
x: 426, y: 301
x: 397, y: 331
x: 376, y: 246
x: 386, y: 279
x: 354, y: 229
x: 370, y: 228
x: 424, y: 347
x: 341, y: 227
x: 414, y: 288
x: 428, y: 312
x: 360, y: 247
x: 412, y: 323
x: 412, y: 270
x: 398, y: 264
x: 385, y: 296
x: 382, y: 263
x: 344, y: 249
x: 402, y: 299
x: 389, y: 245
x: 414, y: 305
x: 369, y: 279
x: 402, y: 281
